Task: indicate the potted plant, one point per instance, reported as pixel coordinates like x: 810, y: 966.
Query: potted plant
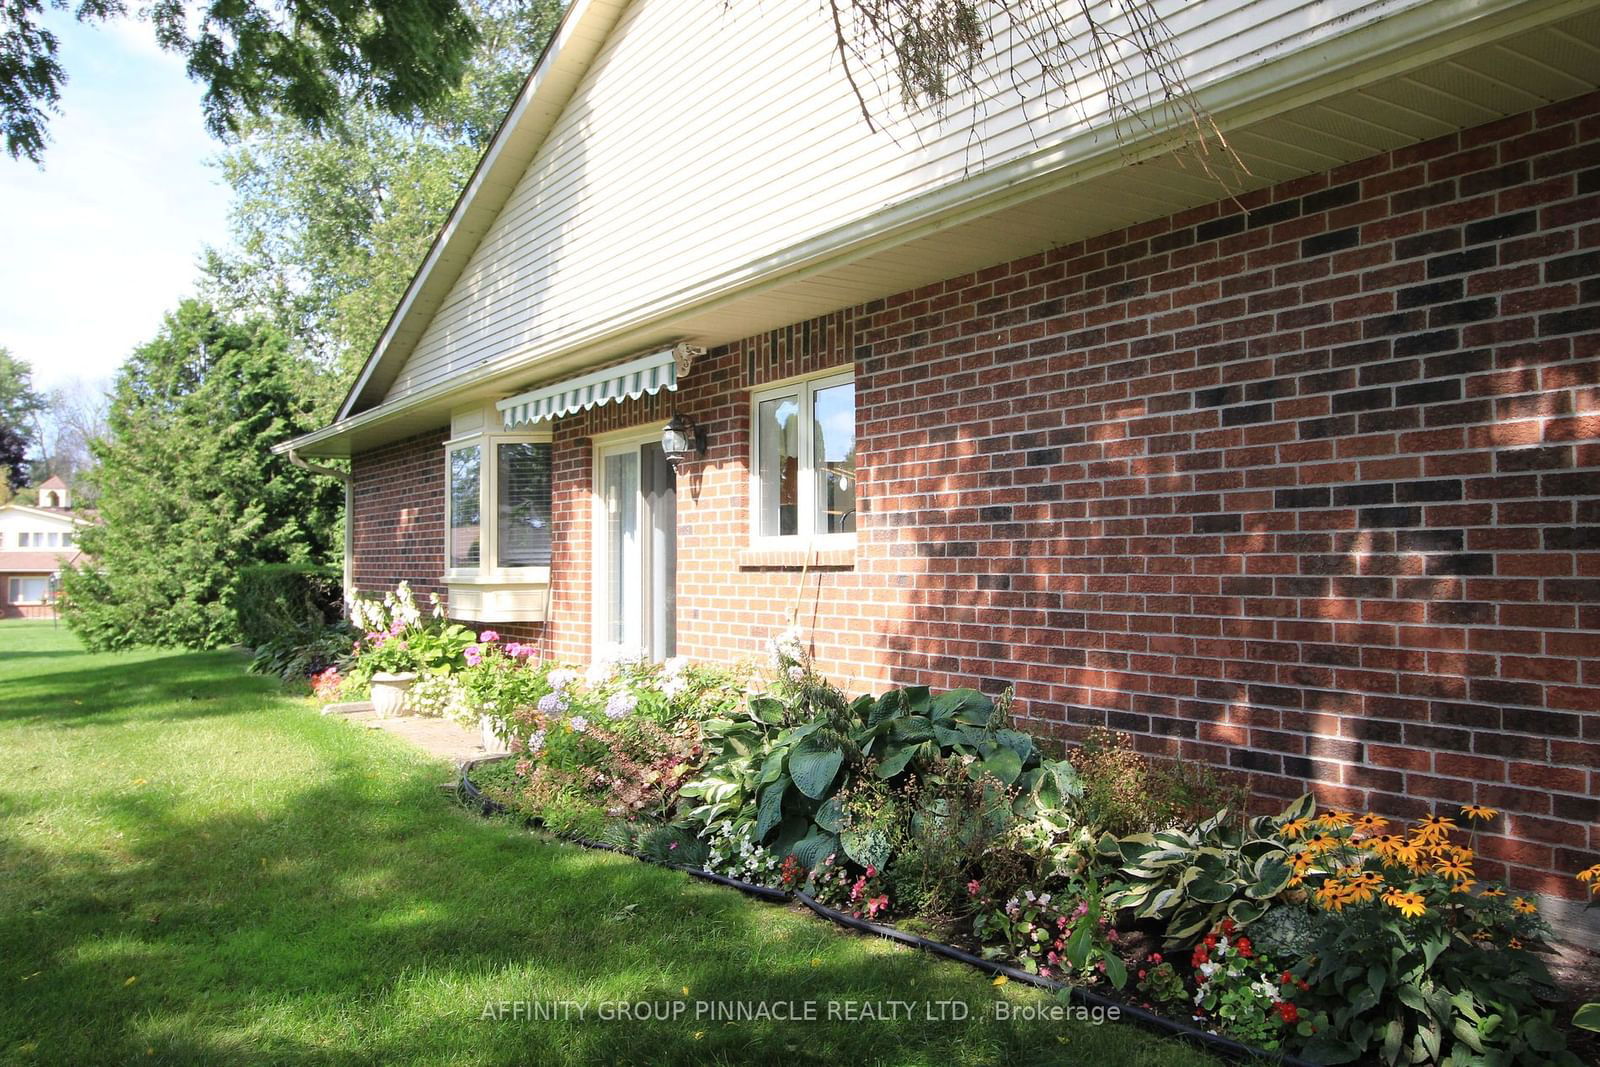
x: 500, y: 679
x: 491, y: 727
x: 394, y: 669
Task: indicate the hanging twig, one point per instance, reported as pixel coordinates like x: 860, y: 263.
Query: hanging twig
x: 938, y: 50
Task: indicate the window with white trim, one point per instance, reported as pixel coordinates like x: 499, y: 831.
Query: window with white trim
x: 28, y: 590
x: 803, y: 462
x: 498, y: 506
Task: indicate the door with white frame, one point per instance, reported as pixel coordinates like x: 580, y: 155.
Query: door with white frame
x: 635, y: 547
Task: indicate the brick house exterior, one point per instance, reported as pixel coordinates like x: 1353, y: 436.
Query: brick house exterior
x: 1306, y: 486
x: 1303, y: 483
x: 36, y: 542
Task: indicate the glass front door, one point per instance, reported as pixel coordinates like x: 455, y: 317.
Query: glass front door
x: 637, y: 574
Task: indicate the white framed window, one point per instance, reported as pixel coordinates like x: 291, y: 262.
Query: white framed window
x: 24, y: 539
x: 497, y: 507
x: 497, y: 518
x: 803, y: 463
x: 28, y: 590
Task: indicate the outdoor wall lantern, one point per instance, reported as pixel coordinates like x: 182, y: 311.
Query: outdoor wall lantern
x: 682, y: 441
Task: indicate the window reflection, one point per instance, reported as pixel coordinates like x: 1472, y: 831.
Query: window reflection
x: 465, y: 507
x: 833, y: 438
x: 779, y: 449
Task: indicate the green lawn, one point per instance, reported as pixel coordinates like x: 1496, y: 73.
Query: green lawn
x: 196, y: 867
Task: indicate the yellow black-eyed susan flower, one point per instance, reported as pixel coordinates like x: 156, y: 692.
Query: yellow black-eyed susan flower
x: 1410, y: 905
x: 1294, y: 828
x: 1433, y: 828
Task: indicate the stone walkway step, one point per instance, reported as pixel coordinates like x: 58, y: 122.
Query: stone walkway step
x: 437, y: 737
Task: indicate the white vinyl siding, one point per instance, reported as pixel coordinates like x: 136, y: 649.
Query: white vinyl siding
x: 707, y: 137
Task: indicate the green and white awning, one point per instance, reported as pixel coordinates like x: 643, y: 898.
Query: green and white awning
x: 625, y: 381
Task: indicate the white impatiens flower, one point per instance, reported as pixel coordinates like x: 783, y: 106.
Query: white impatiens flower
x: 674, y: 686
x: 578, y: 723
x: 561, y: 678
x: 674, y: 666
x: 797, y: 674
x: 1266, y: 990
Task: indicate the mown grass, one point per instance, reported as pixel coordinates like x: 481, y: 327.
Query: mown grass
x: 195, y: 867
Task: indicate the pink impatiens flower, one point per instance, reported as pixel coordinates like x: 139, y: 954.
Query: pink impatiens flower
x: 488, y: 637
x: 473, y: 655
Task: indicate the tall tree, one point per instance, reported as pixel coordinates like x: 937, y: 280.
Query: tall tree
x: 309, y: 60
x: 72, y: 418
x: 328, y: 231
x: 13, y: 461
x: 19, y: 408
x: 19, y: 403
x: 189, y: 489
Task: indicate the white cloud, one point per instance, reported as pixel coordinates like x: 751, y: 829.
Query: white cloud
x: 105, y: 239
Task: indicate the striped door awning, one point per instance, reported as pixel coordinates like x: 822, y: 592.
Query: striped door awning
x: 647, y: 374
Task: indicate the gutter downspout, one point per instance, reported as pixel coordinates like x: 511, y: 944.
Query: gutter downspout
x: 348, y: 575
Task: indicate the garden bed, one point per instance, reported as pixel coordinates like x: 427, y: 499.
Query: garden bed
x: 1325, y: 935
x: 495, y: 768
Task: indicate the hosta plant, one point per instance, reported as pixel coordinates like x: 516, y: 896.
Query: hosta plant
x: 1195, y: 878
x: 900, y: 733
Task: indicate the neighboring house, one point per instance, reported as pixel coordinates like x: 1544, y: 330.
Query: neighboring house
x: 35, y: 543
x: 1303, y: 482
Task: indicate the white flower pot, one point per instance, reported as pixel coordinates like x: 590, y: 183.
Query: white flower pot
x: 490, y: 727
x: 389, y: 694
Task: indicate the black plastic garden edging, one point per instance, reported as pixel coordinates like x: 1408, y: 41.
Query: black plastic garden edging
x: 474, y: 797
x: 1087, y: 997
x: 1226, y: 1046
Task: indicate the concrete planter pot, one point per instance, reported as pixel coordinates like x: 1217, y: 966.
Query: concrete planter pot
x: 389, y: 694
x: 490, y: 727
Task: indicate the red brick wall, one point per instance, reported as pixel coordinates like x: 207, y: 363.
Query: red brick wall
x: 397, y: 515
x: 1306, y: 485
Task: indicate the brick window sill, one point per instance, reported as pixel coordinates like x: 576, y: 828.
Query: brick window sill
x: 795, y: 558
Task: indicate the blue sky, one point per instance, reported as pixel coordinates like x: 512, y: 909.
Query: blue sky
x: 106, y: 238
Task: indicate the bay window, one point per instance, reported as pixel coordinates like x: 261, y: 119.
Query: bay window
x: 497, y: 519
x: 803, y: 463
